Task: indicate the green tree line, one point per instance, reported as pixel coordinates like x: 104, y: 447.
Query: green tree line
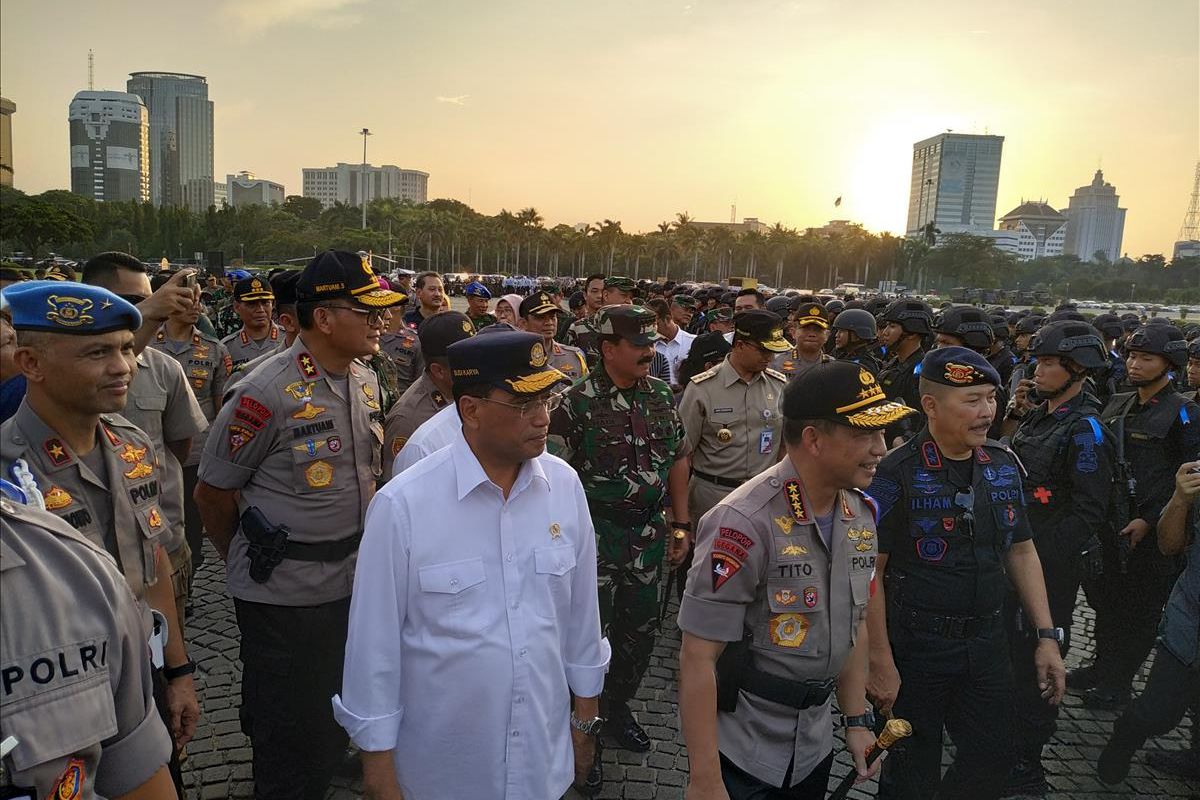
x: 449, y: 236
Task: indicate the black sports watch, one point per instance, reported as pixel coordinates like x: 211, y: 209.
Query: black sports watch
x: 1051, y: 633
x: 864, y: 720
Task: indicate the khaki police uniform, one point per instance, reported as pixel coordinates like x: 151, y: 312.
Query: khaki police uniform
x: 116, y: 507
x: 791, y: 365
x: 163, y: 407
x: 76, y: 683
x: 568, y: 360
x: 304, y: 448
x: 207, y: 365
x: 762, y: 570
x: 403, y: 349
x: 420, y: 402
x: 734, y: 430
x: 242, y: 348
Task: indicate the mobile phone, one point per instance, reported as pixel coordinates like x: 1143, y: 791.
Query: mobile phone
x: 190, y: 280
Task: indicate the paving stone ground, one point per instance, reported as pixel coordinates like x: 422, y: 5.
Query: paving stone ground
x: 218, y: 764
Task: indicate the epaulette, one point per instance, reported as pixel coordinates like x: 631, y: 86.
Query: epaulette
x: 992, y: 443
x: 774, y: 373
x: 869, y: 501
x: 708, y: 373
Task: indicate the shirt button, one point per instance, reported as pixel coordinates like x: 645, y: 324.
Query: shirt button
x: 516, y: 604
x: 508, y: 557
x: 524, y: 652
x: 516, y: 733
x: 454, y: 581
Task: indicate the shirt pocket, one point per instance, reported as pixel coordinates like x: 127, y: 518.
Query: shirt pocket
x: 153, y: 405
x: 315, y: 470
x: 553, y: 570
x: 62, y: 721
x: 151, y: 524
x: 797, y: 621
x: 453, y: 597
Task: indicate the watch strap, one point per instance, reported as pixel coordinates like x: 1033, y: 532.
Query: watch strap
x: 171, y: 673
x: 866, y: 720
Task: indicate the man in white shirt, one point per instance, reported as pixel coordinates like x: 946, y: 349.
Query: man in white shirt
x: 475, y: 615
x: 674, y: 342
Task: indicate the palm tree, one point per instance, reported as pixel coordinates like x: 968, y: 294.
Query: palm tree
x: 689, y: 238
x: 608, y: 234
x: 529, y: 221
x: 781, y: 241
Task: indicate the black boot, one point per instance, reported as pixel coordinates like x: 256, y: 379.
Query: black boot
x: 1026, y: 778
x: 1113, y: 766
x: 624, y: 728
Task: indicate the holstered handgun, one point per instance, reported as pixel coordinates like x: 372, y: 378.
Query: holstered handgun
x: 267, y: 543
x: 1091, y: 559
x: 731, y: 666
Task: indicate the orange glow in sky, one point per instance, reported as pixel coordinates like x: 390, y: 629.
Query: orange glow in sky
x: 637, y: 109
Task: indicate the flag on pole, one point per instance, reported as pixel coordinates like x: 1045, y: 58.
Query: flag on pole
x: 837, y: 202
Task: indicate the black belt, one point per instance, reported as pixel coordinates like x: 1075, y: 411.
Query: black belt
x: 949, y: 627
x: 322, y: 551
x: 719, y: 481
x: 795, y: 694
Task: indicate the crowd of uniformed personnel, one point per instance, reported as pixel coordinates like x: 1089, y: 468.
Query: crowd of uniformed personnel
x: 866, y: 499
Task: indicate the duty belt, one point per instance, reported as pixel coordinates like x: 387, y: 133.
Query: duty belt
x: 719, y: 481
x: 949, y: 627
x: 795, y: 694
x: 322, y: 551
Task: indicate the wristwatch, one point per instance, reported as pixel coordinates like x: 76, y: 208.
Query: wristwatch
x: 1051, y: 633
x: 680, y: 534
x: 864, y: 720
x: 186, y: 668
x: 589, y: 727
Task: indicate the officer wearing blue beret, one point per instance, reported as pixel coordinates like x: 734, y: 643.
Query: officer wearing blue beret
x: 477, y: 305
x: 953, y: 533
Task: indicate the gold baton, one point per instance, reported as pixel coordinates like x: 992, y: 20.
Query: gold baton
x: 893, y: 731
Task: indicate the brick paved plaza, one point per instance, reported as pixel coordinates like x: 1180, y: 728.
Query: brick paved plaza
x: 219, y: 758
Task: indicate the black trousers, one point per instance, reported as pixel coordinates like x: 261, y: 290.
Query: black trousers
x: 1035, y: 720
x: 1171, y: 688
x: 291, y: 667
x: 1128, y: 608
x: 974, y: 704
x: 193, y: 526
x: 741, y: 785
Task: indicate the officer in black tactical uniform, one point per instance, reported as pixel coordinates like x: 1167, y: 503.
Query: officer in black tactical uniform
x: 1023, y: 333
x: 1156, y: 430
x: 854, y: 334
x: 906, y: 323
x: 1068, y: 462
x: 1000, y: 355
x: 951, y: 538
x: 1111, y: 381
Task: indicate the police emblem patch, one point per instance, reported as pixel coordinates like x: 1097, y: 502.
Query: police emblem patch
x: 810, y: 597
x: 335, y: 444
x: 785, y: 524
x: 70, y: 784
x: 56, y: 498
x: 140, y: 470
x: 724, y: 567
x: 555, y: 530
x: 786, y: 597
x: 300, y: 390
x: 931, y: 548
x: 308, y: 412
x: 724, y: 435
x: 537, y: 355
x: 318, y: 474
x: 789, y: 630
x: 70, y: 312
x: 959, y: 374
x: 155, y: 518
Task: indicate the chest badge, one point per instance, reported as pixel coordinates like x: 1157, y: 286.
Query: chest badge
x: 155, y: 518
x: 369, y: 394
x: 861, y: 537
x: 300, y: 390
x: 789, y: 630
x: 309, y: 412
x: 319, y: 474
x: 794, y: 550
x: 724, y: 435
x: 555, y: 530
x: 139, y: 471
x: 785, y: 524
x: 786, y: 597
x: 57, y: 498
x: 132, y: 455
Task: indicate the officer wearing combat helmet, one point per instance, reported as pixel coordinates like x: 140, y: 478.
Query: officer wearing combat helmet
x: 854, y: 335
x: 285, y: 479
x: 776, y: 600
x: 906, y: 323
x: 953, y: 532
x: 619, y: 429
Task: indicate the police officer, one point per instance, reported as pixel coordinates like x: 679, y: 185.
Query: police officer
x: 1157, y: 429
x: 854, y: 334
x: 731, y: 412
x: 950, y: 540
x: 1068, y: 462
x: 477, y: 304
x: 967, y: 326
x: 90, y: 466
x: 1113, y: 379
x: 252, y: 302
x: 1193, y: 370
x: 906, y: 323
x: 77, y: 692
x: 431, y: 392
x: 285, y: 479
x: 400, y: 344
x: 619, y: 429
x: 540, y: 314
x: 777, y: 596
x: 811, y: 332
x: 1000, y: 355
x: 1174, y: 681
x: 283, y: 286
x: 1023, y: 333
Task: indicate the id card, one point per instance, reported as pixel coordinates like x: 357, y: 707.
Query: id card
x: 765, y: 439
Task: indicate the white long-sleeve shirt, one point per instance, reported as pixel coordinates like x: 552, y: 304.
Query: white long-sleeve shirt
x: 432, y: 435
x: 472, y: 619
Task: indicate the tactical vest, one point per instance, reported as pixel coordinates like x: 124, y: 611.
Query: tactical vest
x: 1040, y: 454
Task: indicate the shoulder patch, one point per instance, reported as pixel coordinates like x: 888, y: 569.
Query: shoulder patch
x: 776, y: 374
x: 703, y: 376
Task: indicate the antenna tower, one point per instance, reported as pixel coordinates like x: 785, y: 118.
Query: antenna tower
x: 91, y: 70
x: 1189, y: 231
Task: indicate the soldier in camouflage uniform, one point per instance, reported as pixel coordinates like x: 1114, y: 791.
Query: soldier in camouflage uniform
x: 619, y: 429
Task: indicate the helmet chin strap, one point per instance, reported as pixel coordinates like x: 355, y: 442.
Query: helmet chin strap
x: 1076, y: 376
x: 1149, y: 381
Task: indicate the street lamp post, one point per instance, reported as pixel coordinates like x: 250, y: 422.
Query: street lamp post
x: 362, y: 183
x: 242, y: 253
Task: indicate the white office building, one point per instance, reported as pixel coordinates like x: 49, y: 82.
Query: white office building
x: 1036, y: 231
x: 1095, y: 222
x: 110, y: 146
x: 245, y: 188
x: 344, y: 184
x: 955, y: 177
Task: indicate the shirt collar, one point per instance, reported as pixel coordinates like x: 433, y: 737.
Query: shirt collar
x: 469, y: 472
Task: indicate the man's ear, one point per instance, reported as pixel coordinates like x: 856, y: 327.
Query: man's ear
x: 31, y: 363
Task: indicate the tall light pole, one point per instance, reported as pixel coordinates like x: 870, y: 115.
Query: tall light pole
x: 362, y: 181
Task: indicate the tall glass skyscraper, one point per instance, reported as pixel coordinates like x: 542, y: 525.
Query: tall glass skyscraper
x: 955, y: 177
x: 181, y: 137
x: 110, y: 146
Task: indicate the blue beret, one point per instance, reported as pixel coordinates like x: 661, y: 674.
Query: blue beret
x: 958, y: 366
x: 65, y: 307
x: 237, y: 274
x: 477, y: 289
x: 515, y: 361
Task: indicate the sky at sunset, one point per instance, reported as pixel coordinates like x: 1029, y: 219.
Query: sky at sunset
x: 637, y: 109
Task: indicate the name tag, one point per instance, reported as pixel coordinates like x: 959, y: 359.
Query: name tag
x: 765, y: 439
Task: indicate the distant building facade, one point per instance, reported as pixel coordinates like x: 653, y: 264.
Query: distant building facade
x: 1095, y: 222
x: 246, y: 189
x: 220, y: 194
x: 7, y: 109
x: 836, y: 227
x: 955, y: 177
x: 110, y: 146
x: 1187, y: 248
x: 181, y: 137
x: 747, y: 225
x: 344, y: 184
x: 1039, y: 231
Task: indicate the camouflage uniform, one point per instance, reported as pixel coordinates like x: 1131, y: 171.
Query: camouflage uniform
x: 623, y: 442
x: 583, y: 334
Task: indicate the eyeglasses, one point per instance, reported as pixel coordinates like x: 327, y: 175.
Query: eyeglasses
x: 549, y: 403
x: 374, y: 316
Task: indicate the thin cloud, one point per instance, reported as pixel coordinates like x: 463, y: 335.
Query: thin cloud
x: 253, y: 16
x: 456, y: 100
